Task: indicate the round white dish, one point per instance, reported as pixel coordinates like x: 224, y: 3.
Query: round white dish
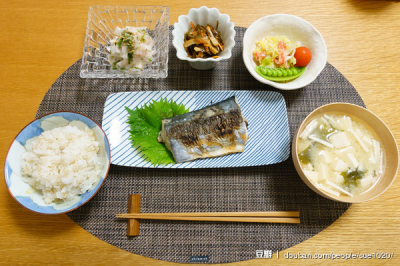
x: 296, y: 29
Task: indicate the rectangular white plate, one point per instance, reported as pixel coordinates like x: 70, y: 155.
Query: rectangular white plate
x: 265, y: 111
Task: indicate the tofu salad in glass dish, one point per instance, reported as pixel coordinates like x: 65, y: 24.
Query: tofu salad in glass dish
x: 131, y: 49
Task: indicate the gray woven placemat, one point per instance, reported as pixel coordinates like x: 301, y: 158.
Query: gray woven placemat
x: 275, y: 187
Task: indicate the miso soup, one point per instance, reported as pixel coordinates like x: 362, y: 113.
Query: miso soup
x: 340, y: 154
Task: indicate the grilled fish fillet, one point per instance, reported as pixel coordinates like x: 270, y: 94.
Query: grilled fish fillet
x: 215, y: 130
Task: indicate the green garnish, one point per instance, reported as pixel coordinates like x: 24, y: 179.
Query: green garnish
x: 119, y: 43
x: 325, y: 131
x: 130, y: 56
x: 351, y: 176
x: 305, y: 155
x: 145, y: 125
x: 115, y: 65
x: 127, y: 38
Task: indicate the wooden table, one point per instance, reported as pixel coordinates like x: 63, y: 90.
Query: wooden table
x: 41, y: 39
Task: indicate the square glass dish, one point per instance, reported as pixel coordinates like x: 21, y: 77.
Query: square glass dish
x: 101, y: 25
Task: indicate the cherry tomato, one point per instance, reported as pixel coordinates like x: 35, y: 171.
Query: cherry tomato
x: 303, y: 56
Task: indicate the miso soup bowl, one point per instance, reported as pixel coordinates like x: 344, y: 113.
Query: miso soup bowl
x: 388, y: 144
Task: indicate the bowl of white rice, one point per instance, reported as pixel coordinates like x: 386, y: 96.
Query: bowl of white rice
x: 57, y: 163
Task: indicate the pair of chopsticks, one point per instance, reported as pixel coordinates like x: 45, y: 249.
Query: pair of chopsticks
x: 134, y: 216
x: 243, y: 217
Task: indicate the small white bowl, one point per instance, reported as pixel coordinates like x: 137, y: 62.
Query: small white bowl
x: 204, y: 16
x: 296, y: 29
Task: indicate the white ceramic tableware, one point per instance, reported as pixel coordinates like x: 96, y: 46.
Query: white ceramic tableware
x: 296, y: 29
x: 204, y: 16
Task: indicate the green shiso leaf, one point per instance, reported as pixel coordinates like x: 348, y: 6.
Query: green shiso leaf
x: 145, y: 124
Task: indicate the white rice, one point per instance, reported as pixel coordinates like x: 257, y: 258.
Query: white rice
x: 63, y: 163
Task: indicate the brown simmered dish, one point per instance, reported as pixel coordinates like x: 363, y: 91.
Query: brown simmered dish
x: 203, y: 41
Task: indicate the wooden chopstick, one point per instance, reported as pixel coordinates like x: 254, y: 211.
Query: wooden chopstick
x: 214, y: 219
x: 285, y: 214
x: 247, y: 217
x: 134, y: 216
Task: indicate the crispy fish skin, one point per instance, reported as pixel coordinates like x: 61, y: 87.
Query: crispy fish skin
x: 215, y: 130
